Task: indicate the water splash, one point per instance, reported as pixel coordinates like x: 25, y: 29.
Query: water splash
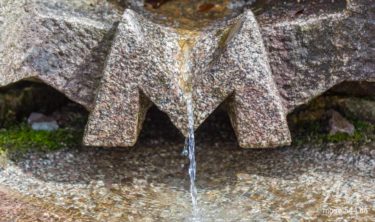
x: 189, y: 150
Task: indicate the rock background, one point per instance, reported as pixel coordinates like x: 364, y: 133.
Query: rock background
x: 311, y: 48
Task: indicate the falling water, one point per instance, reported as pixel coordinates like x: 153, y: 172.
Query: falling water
x: 186, y: 43
x: 189, y: 150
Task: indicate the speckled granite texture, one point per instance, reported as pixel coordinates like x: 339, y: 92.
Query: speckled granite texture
x: 117, y: 63
x: 58, y: 42
x: 226, y: 59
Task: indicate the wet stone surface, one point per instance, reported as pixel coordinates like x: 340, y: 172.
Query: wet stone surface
x: 14, y: 207
x: 150, y: 181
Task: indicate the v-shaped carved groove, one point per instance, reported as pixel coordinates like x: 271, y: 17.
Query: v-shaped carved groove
x: 242, y: 67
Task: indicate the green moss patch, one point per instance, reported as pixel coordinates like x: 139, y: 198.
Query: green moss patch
x: 22, y: 138
x: 315, y: 132
x: 309, y: 123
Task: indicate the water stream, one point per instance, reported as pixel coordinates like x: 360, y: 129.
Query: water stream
x: 186, y: 43
x: 189, y: 150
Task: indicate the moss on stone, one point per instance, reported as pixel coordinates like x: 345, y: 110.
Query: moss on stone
x: 314, y: 132
x: 309, y: 123
x: 22, y: 138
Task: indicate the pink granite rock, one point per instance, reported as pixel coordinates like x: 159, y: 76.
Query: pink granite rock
x: 262, y: 69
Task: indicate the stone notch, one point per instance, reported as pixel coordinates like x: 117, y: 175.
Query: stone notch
x: 65, y: 44
x: 150, y: 59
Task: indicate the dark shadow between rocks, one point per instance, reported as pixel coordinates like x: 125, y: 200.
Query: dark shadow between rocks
x: 359, y: 89
x: 158, y: 129
x: 18, y: 100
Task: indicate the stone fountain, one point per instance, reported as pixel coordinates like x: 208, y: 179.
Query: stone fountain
x: 117, y: 59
